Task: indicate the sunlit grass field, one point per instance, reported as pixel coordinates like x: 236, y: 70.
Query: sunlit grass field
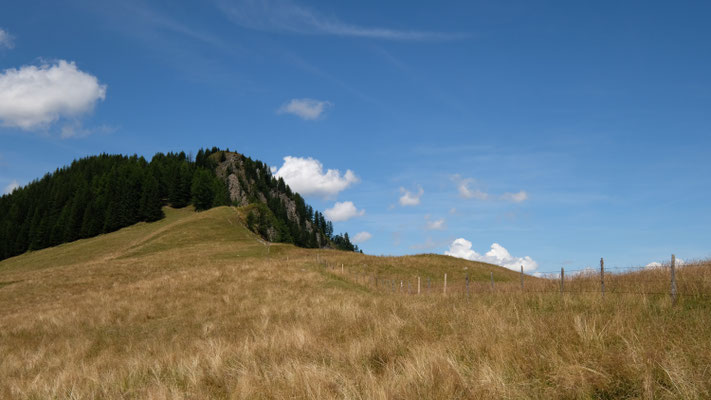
x: 195, y: 306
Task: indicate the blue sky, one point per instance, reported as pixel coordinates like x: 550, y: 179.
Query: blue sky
x: 562, y: 131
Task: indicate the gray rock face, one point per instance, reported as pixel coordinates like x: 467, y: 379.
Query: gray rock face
x: 240, y: 188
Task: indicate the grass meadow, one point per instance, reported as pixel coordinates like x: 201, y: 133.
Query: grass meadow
x: 195, y: 307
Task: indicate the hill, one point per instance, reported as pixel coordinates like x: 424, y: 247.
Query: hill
x: 101, y: 194
x: 197, y: 306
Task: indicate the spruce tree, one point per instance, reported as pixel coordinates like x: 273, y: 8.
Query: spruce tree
x: 202, y: 190
x: 151, y: 205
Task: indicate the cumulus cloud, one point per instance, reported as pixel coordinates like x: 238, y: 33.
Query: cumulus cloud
x: 34, y: 97
x: 434, y: 225
x: 498, y: 255
x: 361, y: 237
x: 11, y: 187
x: 307, y: 109
x: 657, y: 264
x: 409, y: 198
x: 519, y: 197
x: 6, y: 40
x: 343, y: 211
x: 306, y: 176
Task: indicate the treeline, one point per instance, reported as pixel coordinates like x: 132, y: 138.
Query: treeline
x: 104, y: 193
x: 101, y: 194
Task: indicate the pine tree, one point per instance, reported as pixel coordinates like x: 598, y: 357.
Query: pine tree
x: 202, y: 190
x: 151, y: 205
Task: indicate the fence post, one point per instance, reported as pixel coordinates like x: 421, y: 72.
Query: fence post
x: 492, y: 281
x: 341, y: 268
x: 562, y: 279
x: 602, y: 277
x: 429, y: 284
x: 418, y: 285
x: 522, y: 277
x: 445, y: 284
x: 673, y: 280
x: 467, y: 285
x: 401, y: 286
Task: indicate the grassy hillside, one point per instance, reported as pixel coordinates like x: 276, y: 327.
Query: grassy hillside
x: 196, y: 306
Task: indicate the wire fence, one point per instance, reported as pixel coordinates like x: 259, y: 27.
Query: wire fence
x: 689, y: 280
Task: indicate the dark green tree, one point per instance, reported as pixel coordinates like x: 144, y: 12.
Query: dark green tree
x: 151, y: 205
x: 202, y: 190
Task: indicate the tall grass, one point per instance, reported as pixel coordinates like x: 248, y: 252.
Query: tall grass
x: 218, y: 319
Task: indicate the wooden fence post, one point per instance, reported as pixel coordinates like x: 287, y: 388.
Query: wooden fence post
x: 445, y: 284
x: 418, y: 285
x: 467, y: 285
x: 522, y: 277
x: 562, y: 280
x: 492, y: 281
x: 673, y: 279
x: 602, y: 277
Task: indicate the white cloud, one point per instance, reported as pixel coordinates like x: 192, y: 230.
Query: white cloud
x: 306, y: 176
x: 307, y: 109
x: 498, y: 255
x: 656, y: 264
x: 34, y: 97
x: 436, y: 225
x: 361, y: 237
x: 410, y: 199
x: 6, y: 40
x: 464, y: 186
x: 287, y: 16
x: 11, y: 187
x: 343, y: 211
x: 467, y: 188
x: 519, y: 197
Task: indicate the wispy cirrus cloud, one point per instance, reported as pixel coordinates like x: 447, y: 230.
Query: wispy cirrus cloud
x: 468, y: 188
x: 290, y: 17
x: 6, y: 40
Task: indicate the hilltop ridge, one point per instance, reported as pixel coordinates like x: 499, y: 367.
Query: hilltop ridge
x: 101, y: 194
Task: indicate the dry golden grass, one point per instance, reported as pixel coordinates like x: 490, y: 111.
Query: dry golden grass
x: 191, y: 307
